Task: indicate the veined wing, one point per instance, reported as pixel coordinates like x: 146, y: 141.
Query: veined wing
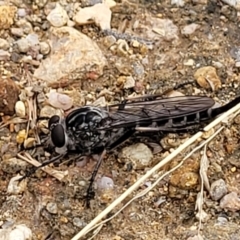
x: 144, y: 111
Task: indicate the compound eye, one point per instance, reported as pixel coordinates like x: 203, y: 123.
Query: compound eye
x: 58, y: 136
x: 53, y: 120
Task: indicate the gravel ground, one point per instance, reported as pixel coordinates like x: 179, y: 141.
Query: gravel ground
x: 58, y: 55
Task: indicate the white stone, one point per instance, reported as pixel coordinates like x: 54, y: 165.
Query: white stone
x: 58, y: 16
x: 20, y: 109
x: 99, y: 13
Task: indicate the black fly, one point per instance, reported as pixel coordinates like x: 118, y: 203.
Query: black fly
x: 95, y: 130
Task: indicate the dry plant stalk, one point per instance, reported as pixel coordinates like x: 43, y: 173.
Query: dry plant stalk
x: 204, y: 181
x: 32, y: 116
x: 190, y: 141
x: 12, y: 121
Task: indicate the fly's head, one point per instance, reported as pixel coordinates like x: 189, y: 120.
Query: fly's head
x: 58, y: 133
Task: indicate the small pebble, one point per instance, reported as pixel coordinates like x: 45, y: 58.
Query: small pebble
x: 78, y: 222
x: 138, y: 69
x: 4, y: 45
x: 29, y: 142
x: 135, y: 44
x: 20, y: 232
x: 237, y: 64
x: 190, y: 29
x: 139, y: 155
x: 91, y: 14
x: 23, y: 45
x: 100, y: 102
x: 43, y: 126
x: 109, y: 41
x: 217, y: 64
x: 41, y: 3
x: 28, y: 59
x: 25, y: 26
x: 9, y: 92
x: 18, y: 32
x: 39, y: 57
x: 139, y: 87
x: 32, y: 39
x: 15, y: 57
x: 21, y: 136
x: 218, y: 189
x: 129, y: 82
x: 178, y: 3
x: 189, y: 62
x: 105, y: 189
x: 44, y: 48
x: 58, y: 16
x: 15, y: 186
x: 230, y: 202
x: 122, y: 47
x: 222, y: 220
x: 47, y: 111
x: 21, y: 12
x: 13, y: 165
x: 235, y: 53
x: 207, y: 78
x: 20, y: 109
x: 105, y: 183
x: 145, y: 61
x: 59, y: 100
x: 234, y: 158
x: 4, y: 55
x: 52, y: 207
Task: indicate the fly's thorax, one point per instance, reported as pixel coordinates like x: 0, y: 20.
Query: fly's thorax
x: 83, y: 128
x: 86, y: 118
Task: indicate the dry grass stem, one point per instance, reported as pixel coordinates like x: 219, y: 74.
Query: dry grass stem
x: 200, y: 198
x: 13, y: 121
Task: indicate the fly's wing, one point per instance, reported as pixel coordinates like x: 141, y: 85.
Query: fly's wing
x: 144, y: 111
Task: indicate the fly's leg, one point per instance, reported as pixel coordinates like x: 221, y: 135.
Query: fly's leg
x: 90, y: 191
x: 109, y: 146
x: 152, y: 96
x: 52, y: 160
x: 184, y: 83
x: 176, y: 87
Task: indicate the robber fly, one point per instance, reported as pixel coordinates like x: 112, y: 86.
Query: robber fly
x: 94, y: 130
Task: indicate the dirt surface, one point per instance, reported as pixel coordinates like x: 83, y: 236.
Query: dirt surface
x: 156, y: 56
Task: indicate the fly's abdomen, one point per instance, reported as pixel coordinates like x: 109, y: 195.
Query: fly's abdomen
x: 179, y: 123
x: 185, y: 122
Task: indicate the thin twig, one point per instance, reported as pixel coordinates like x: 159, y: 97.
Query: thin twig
x: 14, y: 121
